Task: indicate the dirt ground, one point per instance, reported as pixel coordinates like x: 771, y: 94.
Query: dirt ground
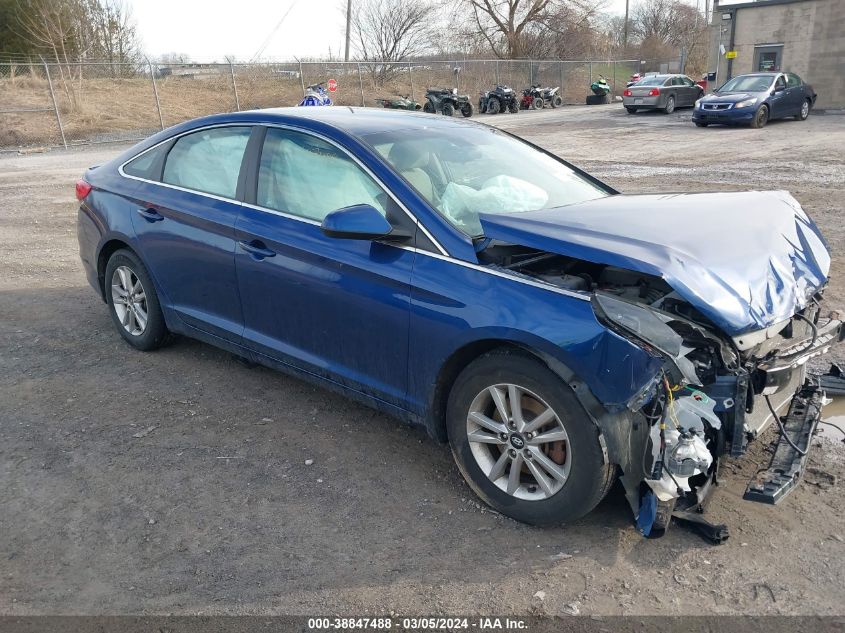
x: 175, y: 482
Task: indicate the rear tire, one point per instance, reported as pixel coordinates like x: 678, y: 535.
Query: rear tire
x: 493, y: 106
x: 557, y: 101
x: 448, y: 109
x: 805, y: 111
x: 670, y: 105
x: 513, y: 107
x: 761, y: 117
x: 428, y: 108
x: 580, y: 479
x: 538, y: 103
x: 631, y: 110
x: 133, y: 302
x: 466, y: 110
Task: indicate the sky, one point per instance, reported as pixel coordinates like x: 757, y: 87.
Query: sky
x: 210, y: 30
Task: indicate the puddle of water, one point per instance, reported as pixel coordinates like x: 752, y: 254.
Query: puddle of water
x: 835, y: 413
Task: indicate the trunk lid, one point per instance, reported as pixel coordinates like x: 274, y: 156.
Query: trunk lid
x: 746, y: 260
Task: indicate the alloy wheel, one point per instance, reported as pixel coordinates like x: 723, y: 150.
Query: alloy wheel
x: 129, y: 300
x: 519, y: 442
x: 805, y: 110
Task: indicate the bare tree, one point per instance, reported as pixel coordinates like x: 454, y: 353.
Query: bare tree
x: 391, y: 30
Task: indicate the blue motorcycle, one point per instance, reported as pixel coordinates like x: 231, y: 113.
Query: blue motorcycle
x: 316, y: 95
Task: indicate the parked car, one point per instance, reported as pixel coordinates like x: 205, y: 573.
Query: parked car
x: 661, y: 92
x: 755, y: 99
x: 553, y: 330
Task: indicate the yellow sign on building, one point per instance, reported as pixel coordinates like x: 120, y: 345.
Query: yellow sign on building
x: 730, y: 55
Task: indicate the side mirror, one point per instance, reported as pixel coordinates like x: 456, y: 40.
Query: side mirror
x: 358, y: 222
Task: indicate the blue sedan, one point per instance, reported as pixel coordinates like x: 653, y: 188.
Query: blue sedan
x: 755, y: 100
x: 555, y: 332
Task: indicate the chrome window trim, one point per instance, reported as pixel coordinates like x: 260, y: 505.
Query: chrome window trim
x: 443, y: 256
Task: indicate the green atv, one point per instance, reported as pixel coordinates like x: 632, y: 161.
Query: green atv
x: 399, y: 103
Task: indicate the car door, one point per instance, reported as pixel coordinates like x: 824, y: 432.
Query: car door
x: 794, y: 93
x: 185, y: 222
x: 692, y: 90
x: 680, y: 92
x: 780, y: 99
x: 337, y: 308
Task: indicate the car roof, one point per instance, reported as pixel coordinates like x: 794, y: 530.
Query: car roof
x: 769, y: 73
x: 357, y: 121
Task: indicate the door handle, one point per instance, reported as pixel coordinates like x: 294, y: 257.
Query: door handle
x: 257, y: 249
x: 150, y: 215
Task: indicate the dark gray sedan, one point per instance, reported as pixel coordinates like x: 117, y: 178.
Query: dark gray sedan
x: 661, y: 92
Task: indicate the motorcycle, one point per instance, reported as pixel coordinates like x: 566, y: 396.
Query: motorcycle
x: 316, y: 95
x: 601, y: 89
x: 500, y: 99
x: 446, y: 101
x: 399, y: 103
x: 537, y: 97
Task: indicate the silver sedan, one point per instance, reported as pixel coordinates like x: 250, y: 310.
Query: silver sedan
x: 661, y: 92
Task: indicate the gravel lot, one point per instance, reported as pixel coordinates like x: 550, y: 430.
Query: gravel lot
x: 175, y: 482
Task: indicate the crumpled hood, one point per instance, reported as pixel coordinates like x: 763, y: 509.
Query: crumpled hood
x: 746, y: 260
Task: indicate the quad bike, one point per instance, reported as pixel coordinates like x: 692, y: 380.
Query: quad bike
x: 537, y: 97
x: 601, y: 89
x: 316, y: 95
x: 500, y: 99
x: 399, y: 103
x: 634, y: 79
x: 446, y: 102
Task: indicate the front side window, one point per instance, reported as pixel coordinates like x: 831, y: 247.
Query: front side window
x: 306, y: 176
x: 780, y: 83
x: 464, y: 171
x: 208, y: 161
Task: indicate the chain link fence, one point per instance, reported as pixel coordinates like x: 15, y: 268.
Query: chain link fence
x: 49, y: 104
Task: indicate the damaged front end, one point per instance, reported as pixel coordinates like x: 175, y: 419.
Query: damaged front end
x: 713, y: 393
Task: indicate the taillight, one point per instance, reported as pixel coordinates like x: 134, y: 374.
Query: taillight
x: 654, y: 92
x: 626, y: 93
x: 82, y: 190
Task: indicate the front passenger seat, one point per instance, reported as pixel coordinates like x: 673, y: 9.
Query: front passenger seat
x: 408, y: 159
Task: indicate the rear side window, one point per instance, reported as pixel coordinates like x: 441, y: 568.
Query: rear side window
x: 793, y: 81
x: 208, y: 161
x: 148, y: 164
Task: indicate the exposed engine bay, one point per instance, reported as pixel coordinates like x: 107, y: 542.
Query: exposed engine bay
x: 715, y: 392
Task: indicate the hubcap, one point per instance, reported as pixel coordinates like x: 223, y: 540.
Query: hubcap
x: 129, y: 300
x: 805, y: 110
x: 519, y: 442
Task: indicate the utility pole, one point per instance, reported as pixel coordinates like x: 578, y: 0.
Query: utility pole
x: 348, y: 28
x: 625, y: 32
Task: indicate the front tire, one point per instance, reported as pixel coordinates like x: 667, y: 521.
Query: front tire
x: 448, y: 109
x: 538, y: 103
x: 523, y: 442
x: 700, y: 124
x: 428, y: 108
x: 761, y: 117
x: 466, y: 110
x: 557, y: 101
x: 670, y: 105
x: 493, y: 106
x: 133, y: 302
x: 513, y: 107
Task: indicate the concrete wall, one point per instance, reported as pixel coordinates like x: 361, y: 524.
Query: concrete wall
x: 812, y: 33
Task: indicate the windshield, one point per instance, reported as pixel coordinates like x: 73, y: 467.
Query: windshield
x: 465, y: 171
x: 747, y: 83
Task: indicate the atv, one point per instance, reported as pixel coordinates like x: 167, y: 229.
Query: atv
x: 399, y: 103
x: 500, y: 99
x: 537, y: 97
x: 446, y: 101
